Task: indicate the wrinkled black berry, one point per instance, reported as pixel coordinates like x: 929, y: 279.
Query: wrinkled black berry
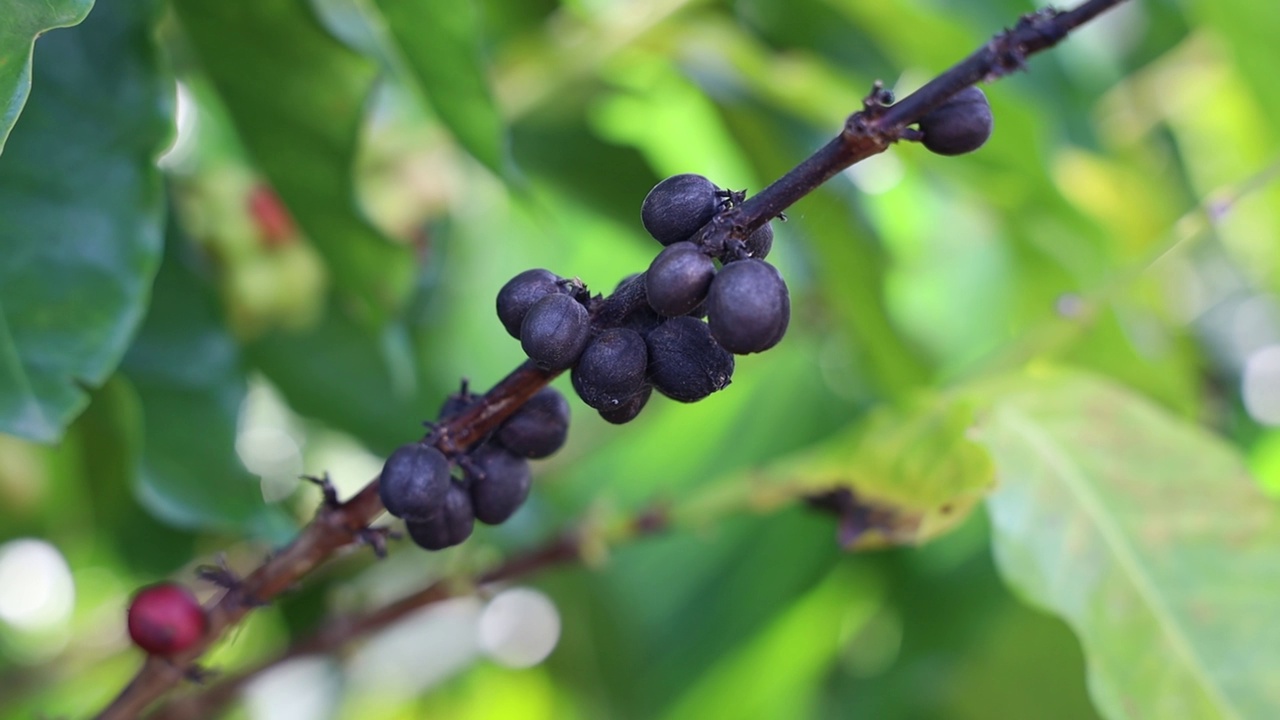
x: 678, y: 278
x: 960, y: 125
x: 748, y: 308
x: 760, y: 242
x: 450, y: 526
x: 685, y: 362
x: 678, y: 207
x: 414, y: 481
x: 627, y: 411
x: 539, y: 427
x: 521, y: 292
x: 500, y: 483
x: 555, y: 332
x: 611, y: 369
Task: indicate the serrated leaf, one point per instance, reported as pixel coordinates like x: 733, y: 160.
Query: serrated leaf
x: 82, y: 209
x: 901, y: 476
x: 1147, y: 536
x: 186, y: 370
x: 296, y: 96
x: 24, y: 21
x: 439, y: 42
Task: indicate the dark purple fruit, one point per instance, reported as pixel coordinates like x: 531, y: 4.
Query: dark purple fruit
x: 611, y: 369
x: 450, y: 526
x: 500, y: 483
x: 748, y: 308
x: 555, y: 332
x: 960, y: 125
x: 627, y: 410
x: 678, y: 279
x: 685, y: 362
x: 539, y: 427
x: 414, y: 481
x: 678, y: 207
x: 521, y: 292
x: 760, y: 242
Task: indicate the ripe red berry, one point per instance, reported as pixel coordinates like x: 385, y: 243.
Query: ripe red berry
x: 165, y: 619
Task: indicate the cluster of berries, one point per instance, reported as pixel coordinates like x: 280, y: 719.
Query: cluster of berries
x: 441, y: 498
x: 651, y: 334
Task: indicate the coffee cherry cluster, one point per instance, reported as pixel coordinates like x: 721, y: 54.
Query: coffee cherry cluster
x: 440, y: 498
x: 960, y: 125
x: 650, y: 335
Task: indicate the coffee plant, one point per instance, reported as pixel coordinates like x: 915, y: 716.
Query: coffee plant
x: 968, y: 412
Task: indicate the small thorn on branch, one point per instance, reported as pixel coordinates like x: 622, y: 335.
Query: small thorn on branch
x: 326, y: 488
x: 219, y: 574
x: 376, y: 538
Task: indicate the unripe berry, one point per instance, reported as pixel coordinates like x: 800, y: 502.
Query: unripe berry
x: 539, y: 427
x: 555, y: 331
x: 960, y: 125
x: 449, y: 526
x: 748, y: 308
x: 678, y: 278
x: 500, y: 483
x: 414, y: 481
x: 611, y: 369
x: 521, y: 292
x: 678, y: 207
x: 685, y: 362
x: 165, y: 619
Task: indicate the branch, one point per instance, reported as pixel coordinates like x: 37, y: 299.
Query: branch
x: 865, y: 133
x: 562, y: 550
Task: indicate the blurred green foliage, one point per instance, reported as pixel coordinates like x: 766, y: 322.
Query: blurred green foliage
x: 1060, y: 323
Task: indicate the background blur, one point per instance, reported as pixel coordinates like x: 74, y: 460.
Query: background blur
x: 1122, y: 219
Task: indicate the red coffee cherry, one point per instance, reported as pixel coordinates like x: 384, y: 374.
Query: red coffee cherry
x: 165, y: 619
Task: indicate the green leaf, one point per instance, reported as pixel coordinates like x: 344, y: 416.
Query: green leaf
x: 187, y: 373
x: 355, y: 379
x: 82, y: 208
x: 1146, y: 535
x: 296, y: 96
x: 24, y: 21
x: 439, y: 42
x: 902, y: 476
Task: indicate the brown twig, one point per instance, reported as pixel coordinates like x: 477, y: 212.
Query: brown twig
x: 340, y: 632
x: 866, y: 133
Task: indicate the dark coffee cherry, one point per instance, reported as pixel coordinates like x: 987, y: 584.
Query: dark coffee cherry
x: 678, y: 207
x: 165, y: 619
x: 611, y: 369
x: 539, y: 427
x: 414, y: 481
x: 960, y: 125
x: 555, y: 331
x: 678, y: 278
x: 748, y: 308
x: 500, y: 483
x: 627, y: 410
x: 685, y: 362
x: 760, y: 242
x: 449, y: 526
x: 521, y: 292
